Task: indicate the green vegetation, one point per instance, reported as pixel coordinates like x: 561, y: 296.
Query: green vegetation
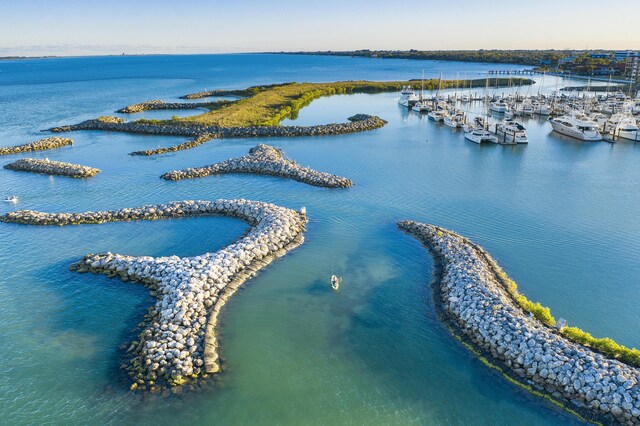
x: 521, y: 57
x: 585, y: 64
x: 269, y: 105
x: 605, y: 345
x: 542, y: 313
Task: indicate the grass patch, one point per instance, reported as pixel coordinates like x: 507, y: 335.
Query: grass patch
x: 542, y: 313
x: 269, y: 105
x: 604, y: 345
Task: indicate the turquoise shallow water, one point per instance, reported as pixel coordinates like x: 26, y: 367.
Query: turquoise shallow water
x: 559, y: 215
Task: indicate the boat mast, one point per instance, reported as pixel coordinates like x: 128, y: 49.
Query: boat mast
x: 486, y: 105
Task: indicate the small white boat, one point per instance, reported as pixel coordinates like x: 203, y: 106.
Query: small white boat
x: 421, y: 107
x: 11, y: 199
x: 454, y: 121
x: 511, y: 132
x: 499, y: 106
x: 480, y: 135
x: 438, y: 115
x: 335, y: 282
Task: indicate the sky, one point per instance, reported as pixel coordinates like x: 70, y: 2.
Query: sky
x: 91, y: 27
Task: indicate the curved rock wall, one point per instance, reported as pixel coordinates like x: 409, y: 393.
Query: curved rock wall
x: 39, y: 145
x: 178, y: 341
x: 264, y: 160
x: 49, y: 167
x: 357, y: 123
x: 477, y: 304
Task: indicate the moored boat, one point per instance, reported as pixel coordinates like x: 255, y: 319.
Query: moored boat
x: 438, y: 115
x: 511, y: 132
x: 499, y: 106
x: 408, y: 97
x: 576, y: 125
x: 480, y: 135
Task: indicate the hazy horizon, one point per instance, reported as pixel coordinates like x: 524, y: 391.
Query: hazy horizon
x: 70, y: 28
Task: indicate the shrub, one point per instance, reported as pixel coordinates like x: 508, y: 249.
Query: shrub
x: 603, y: 345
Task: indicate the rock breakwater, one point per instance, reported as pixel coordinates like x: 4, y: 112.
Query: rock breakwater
x: 178, y: 341
x: 356, y: 123
x: 160, y: 105
x: 39, y: 145
x: 198, y: 140
x: 474, y: 301
x: 49, y: 167
x: 264, y: 160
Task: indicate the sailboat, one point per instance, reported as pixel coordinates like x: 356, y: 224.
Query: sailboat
x: 478, y: 130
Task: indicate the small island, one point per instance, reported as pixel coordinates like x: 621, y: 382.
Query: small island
x: 261, y: 109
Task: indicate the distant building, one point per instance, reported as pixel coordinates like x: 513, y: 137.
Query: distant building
x: 567, y: 60
x: 635, y: 69
x: 622, y: 55
x: 600, y: 55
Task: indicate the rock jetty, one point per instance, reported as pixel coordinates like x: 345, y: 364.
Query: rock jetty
x: 356, y: 123
x: 264, y: 160
x: 178, y: 341
x: 49, y: 167
x: 160, y: 105
x: 198, y: 140
x: 39, y: 145
x: 475, y: 302
x: 223, y: 92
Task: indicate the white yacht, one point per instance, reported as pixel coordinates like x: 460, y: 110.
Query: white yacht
x: 408, y: 97
x: 627, y: 129
x: 499, y: 106
x: 11, y: 199
x: 577, y: 126
x: 438, y: 115
x: 479, y: 135
x: 454, y: 120
x: 511, y: 132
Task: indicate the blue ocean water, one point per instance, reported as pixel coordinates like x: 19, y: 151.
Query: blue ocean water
x: 561, y: 217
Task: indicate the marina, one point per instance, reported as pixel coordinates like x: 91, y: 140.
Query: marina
x: 590, y: 116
